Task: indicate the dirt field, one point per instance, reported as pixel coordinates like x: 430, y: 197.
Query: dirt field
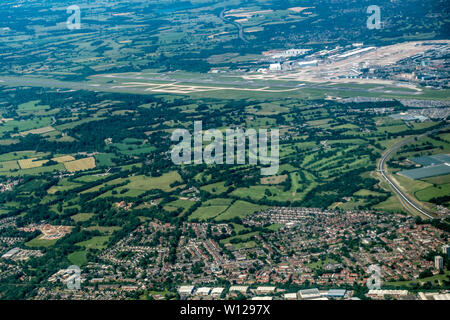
x: 38, y: 131
x: 54, y: 232
x: 63, y: 159
x: 300, y: 9
x: 49, y: 232
x: 31, y: 163
x: 34, y: 163
x: 274, y: 180
x: 80, y: 165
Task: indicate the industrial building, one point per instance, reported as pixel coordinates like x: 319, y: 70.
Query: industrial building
x: 382, y: 293
x: 10, y: 253
x: 434, y: 296
x: 336, y: 293
x: 275, y: 67
x: 309, y: 294
x: 217, y: 292
x: 262, y: 298
x: 439, y: 262
x: 241, y: 289
x: 265, y: 290
x: 186, y: 290
x: 290, y: 296
x: 204, y: 291
x: 446, y: 250
x: 355, y: 52
x: 308, y: 63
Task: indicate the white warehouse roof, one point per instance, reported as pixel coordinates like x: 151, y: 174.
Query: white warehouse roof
x: 266, y: 289
x: 185, y: 289
x: 217, y: 291
x: 204, y: 291
x: 242, y: 289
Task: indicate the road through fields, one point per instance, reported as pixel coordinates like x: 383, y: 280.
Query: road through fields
x: 407, y: 201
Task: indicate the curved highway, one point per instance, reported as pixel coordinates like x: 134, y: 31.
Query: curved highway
x: 405, y: 199
x: 237, y: 25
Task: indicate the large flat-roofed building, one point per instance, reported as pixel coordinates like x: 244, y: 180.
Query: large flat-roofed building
x: 446, y: 250
x: 241, y: 289
x: 309, y: 294
x: 309, y: 63
x: 355, y: 52
x: 217, y: 292
x: 10, y: 253
x: 434, y: 296
x: 439, y: 262
x: 336, y: 293
x: 382, y: 293
x: 290, y: 296
x: 262, y: 298
x: 277, y: 54
x: 204, y: 291
x: 296, y: 52
x: 186, y: 290
x: 265, y: 290
x: 275, y: 67
x: 441, y: 296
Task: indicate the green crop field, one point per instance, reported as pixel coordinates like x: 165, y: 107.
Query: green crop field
x: 239, y: 209
x: 392, y: 204
x: 37, y: 242
x: 215, y: 188
x: 81, y: 217
x: 78, y: 258
x: 206, y: 213
x: 179, y: 204
x: 146, y: 183
x: 98, y: 242
x: 433, y: 192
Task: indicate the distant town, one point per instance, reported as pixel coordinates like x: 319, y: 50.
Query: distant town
x: 337, y: 248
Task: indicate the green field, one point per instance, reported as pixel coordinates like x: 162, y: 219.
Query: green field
x: 241, y: 241
x: 433, y: 192
x: 218, y: 202
x: 103, y: 229
x: 143, y: 183
x: 81, y: 217
x: 392, y: 204
x: 207, y: 212
x: 98, y: 242
x: 239, y: 209
x: 62, y: 186
x: 177, y: 204
x: 104, y: 159
x: 78, y: 258
x: 36, y: 242
x: 215, y: 188
x: 9, y: 165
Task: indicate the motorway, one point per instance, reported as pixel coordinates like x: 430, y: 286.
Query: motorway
x: 237, y: 25
x: 406, y: 201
